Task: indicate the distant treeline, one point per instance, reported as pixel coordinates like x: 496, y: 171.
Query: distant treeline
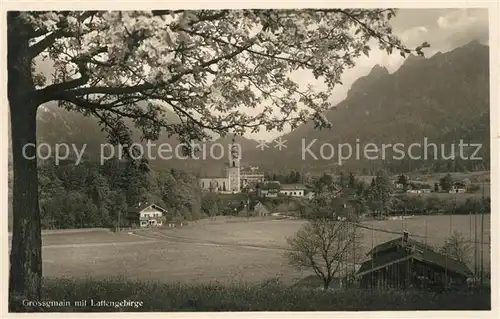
x: 433, y: 205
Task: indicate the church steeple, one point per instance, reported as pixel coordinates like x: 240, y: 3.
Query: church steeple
x: 234, y: 168
x: 234, y: 158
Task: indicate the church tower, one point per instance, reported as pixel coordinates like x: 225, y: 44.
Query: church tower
x: 233, y: 170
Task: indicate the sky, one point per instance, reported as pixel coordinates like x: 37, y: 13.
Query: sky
x: 443, y: 29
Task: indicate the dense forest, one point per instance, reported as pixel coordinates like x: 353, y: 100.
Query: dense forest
x: 91, y: 195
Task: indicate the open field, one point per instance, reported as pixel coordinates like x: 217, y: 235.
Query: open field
x: 223, y: 250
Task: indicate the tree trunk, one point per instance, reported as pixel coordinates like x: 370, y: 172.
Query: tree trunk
x: 326, y: 284
x: 25, y: 256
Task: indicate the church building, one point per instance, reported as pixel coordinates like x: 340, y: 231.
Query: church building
x: 229, y: 184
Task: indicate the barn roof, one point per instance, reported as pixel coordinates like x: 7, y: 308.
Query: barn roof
x: 383, y: 260
x: 416, y: 250
x: 398, y: 242
x: 453, y: 265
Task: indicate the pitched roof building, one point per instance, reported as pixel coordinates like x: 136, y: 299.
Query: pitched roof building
x: 404, y: 263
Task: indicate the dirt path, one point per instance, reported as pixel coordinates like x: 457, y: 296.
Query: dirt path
x: 100, y: 244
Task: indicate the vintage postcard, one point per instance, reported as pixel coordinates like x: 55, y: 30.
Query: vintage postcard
x: 310, y: 158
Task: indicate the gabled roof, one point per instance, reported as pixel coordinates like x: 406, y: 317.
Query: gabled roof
x: 292, y: 187
x: 259, y: 205
x: 143, y: 206
x: 383, y: 260
x: 336, y: 187
x: 459, y: 184
x: 398, y: 242
x: 270, y: 186
x: 423, y: 252
x: 451, y: 264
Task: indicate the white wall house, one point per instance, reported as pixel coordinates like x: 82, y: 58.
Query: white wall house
x: 293, y: 190
x: 147, y: 215
x: 458, y: 188
x: 251, y: 177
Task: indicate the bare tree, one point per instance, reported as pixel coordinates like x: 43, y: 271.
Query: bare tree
x: 457, y: 247
x: 324, y: 245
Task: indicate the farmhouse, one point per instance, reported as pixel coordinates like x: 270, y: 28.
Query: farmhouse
x: 405, y: 263
x: 269, y: 189
x: 309, y: 195
x: 414, y: 191
x: 398, y: 185
x: 251, y: 176
x: 146, y: 215
x: 458, y: 187
x: 294, y: 190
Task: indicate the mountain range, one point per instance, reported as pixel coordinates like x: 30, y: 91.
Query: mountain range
x: 443, y: 98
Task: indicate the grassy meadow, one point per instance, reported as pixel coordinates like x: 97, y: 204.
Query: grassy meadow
x: 226, y: 264
x: 224, y: 249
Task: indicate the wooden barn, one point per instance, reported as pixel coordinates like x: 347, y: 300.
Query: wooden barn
x: 259, y: 210
x: 405, y: 263
x: 254, y: 209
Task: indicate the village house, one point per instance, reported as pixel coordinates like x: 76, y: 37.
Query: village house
x: 414, y: 191
x: 406, y: 263
x: 398, y: 185
x: 251, y: 176
x: 146, y: 215
x: 419, y: 188
x: 294, y: 190
x: 458, y: 187
x: 268, y: 189
x: 309, y: 195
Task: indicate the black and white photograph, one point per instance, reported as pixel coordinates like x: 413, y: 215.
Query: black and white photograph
x: 260, y: 157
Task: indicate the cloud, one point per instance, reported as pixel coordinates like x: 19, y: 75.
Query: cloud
x: 409, y: 36
x: 459, y: 26
x: 459, y: 18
